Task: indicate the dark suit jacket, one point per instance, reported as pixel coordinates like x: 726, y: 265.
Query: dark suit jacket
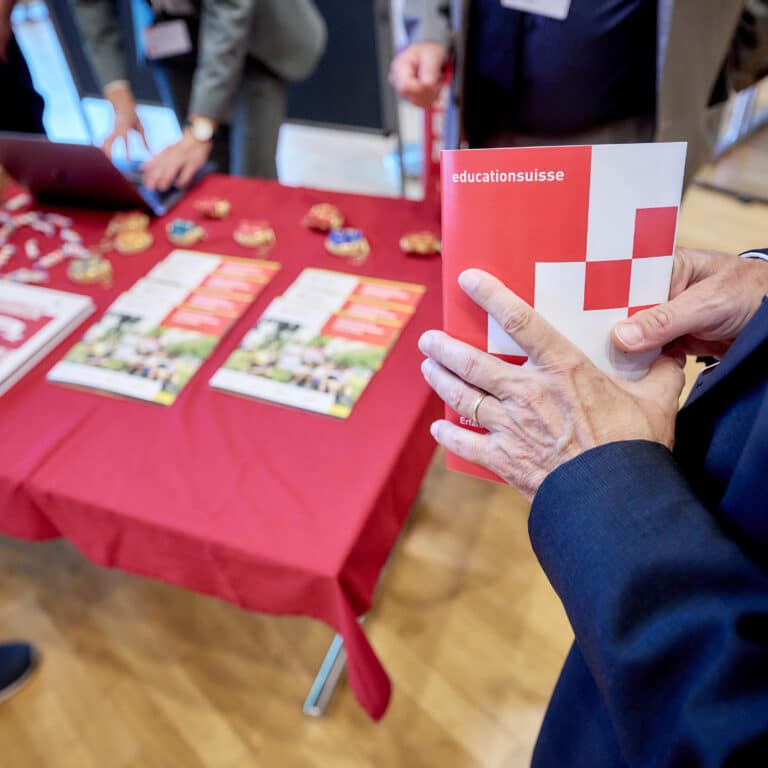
x: 661, y: 562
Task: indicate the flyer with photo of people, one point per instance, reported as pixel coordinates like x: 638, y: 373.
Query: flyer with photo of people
x: 318, y: 345
x: 153, y: 338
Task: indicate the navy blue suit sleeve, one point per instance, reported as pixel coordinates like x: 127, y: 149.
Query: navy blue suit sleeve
x: 669, y: 613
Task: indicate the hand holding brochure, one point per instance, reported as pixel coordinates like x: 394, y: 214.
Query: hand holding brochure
x: 585, y: 235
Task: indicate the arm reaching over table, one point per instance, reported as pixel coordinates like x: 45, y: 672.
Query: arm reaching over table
x: 103, y: 38
x: 225, y: 29
x: 126, y: 118
x: 178, y: 163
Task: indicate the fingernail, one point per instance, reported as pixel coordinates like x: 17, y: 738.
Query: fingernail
x: 469, y: 279
x: 630, y: 334
x: 424, y: 341
x: 433, y: 428
x: 426, y: 366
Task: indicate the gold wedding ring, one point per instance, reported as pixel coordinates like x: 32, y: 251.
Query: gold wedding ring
x: 479, y: 399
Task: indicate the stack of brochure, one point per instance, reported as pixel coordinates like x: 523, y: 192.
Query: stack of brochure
x: 153, y: 338
x: 318, y: 345
x: 33, y: 321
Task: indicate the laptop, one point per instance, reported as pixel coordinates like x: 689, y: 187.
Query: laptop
x: 81, y: 175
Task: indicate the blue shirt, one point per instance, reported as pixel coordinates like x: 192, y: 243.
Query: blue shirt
x: 536, y: 75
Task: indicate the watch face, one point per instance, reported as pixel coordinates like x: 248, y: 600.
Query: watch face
x: 202, y: 130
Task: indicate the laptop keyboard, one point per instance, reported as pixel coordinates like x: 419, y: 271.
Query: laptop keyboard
x: 131, y: 169
x: 159, y: 201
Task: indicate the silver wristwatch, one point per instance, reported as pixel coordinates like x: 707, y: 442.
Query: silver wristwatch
x: 202, y: 129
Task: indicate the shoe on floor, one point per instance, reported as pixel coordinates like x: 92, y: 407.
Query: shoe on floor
x: 17, y: 663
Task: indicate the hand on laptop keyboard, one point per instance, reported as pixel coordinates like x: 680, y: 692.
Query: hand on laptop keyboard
x: 177, y: 164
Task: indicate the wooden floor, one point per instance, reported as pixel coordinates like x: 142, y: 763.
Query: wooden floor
x: 142, y: 675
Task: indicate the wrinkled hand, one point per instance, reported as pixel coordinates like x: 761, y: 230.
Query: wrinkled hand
x: 539, y: 417
x: 712, y: 297
x: 416, y: 73
x: 126, y: 120
x: 177, y: 163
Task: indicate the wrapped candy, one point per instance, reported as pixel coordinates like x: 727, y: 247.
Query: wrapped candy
x: 22, y: 200
x: 184, y: 232
x: 349, y: 243
x: 32, y: 249
x: 255, y: 234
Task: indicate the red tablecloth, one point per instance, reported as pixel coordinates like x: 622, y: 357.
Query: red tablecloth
x: 271, y: 508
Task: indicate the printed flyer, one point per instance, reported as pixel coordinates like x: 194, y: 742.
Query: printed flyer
x: 153, y: 338
x: 33, y: 320
x: 318, y: 346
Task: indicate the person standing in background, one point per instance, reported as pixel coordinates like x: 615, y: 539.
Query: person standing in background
x: 23, y: 113
x: 221, y: 67
x: 610, y: 71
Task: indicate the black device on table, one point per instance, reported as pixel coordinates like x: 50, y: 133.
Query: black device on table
x: 81, y: 175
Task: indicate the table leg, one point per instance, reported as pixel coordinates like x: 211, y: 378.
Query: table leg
x: 327, y: 678
x: 328, y: 675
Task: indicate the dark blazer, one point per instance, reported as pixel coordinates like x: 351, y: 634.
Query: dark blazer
x: 661, y: 562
